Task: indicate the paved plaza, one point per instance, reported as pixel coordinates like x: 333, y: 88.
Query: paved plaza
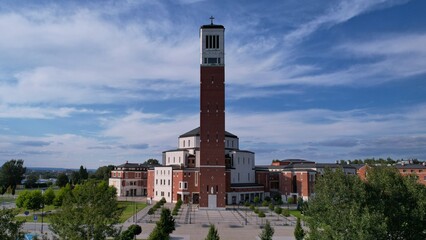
x: 193, y: 223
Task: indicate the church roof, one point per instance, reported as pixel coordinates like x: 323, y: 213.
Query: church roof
x: 212, y: 26
x: 196, y: 132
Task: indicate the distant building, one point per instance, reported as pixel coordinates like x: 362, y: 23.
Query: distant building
x: 130, y: 179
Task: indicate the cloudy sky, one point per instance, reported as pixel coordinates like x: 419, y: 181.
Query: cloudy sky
x: 103, y: 82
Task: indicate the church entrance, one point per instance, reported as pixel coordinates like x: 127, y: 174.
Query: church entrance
x: 212, y: 201
x: 196, y: 198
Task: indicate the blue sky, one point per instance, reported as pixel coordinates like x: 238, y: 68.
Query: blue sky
x: 103, y: 82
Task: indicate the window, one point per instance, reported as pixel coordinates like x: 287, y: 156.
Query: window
x: 183, y: 185
x: 248, y: 176
x: 212, y: 41
x: 156, y: 193
x: 212, y: 60
x: 156, y: 181
x: 169, y: 182
x: 183, y: 143
x: 162, y: 194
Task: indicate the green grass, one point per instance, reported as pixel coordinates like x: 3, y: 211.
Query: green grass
x: 296, y: 213
x: 129, y: 209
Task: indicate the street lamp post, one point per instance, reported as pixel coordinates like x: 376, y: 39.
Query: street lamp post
x: 42, y: 208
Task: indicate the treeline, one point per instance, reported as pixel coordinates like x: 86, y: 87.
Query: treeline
x: 385, y: 206
x: 382, y: 161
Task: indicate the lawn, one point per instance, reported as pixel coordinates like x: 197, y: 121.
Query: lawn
x: 129, y: 209
x: 296, y: 213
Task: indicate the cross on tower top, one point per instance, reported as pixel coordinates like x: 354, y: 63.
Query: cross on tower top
x: 211, y: 20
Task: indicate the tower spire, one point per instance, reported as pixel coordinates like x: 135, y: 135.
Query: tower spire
x: 211, y: 20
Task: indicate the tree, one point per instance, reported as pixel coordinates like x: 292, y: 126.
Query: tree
x: 10, y: 228
x: 75, y: 178
x: 164, y: 226
x: 131, y: 232
x: 31, y: 180
x: 59, y: 197
x: 103, y: 173
x: 62, y: 180
x: 344, y: 207
x: 11, y: 174
x: 212, y: 235
x: 22, y: 198
x: 32, y: 200
x: 400, y: 199
x: 48, y: 196
x: 84, y: 175
x: 267, y: 232
x: 299, y: 234
x: 151, y: 161
x: 89, y: 211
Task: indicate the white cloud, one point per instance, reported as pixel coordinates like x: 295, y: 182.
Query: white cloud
x: 83, y: 58
x: 28, y: 112
x: 317, y: 134
x: 342, y: 12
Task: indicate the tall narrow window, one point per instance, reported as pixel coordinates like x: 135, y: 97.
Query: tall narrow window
x: 207, y: 41
x: 210, y: 41
x: 217, y: 41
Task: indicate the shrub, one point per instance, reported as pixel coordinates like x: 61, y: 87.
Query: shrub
x: 265, y: 203
x: 285, y: 212
x: 271, y: 207
x: 278, y: 210
x: 261, y: 214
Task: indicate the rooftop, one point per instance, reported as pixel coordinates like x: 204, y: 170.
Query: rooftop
x: 196, y: 132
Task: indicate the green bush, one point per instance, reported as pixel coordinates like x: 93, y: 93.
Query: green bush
x: 278, y: 210
x: 261, y: 214
x: 265, y: 203
x: 256, y: 210
x: 271, y: 207
x: 285, y: 212
x: 252, y: 207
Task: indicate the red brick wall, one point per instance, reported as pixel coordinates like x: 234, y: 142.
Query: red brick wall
x: 420, y: 173
x: 212, y: 134
x: 150, y: 185
x: 285, y: 182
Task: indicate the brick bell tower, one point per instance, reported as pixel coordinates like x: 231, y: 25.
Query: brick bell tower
x: 212, y: 116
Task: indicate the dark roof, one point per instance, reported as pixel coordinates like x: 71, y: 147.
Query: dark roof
x: 196, y: 132
x: 357, y: 166
x: 212, y: 26
x: 410, y: 166
x: 135, y: 165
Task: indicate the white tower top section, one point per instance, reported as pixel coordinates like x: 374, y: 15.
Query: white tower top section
x: 212, y: 45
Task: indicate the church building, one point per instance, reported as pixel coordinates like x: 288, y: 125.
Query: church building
x: 208, y: 162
